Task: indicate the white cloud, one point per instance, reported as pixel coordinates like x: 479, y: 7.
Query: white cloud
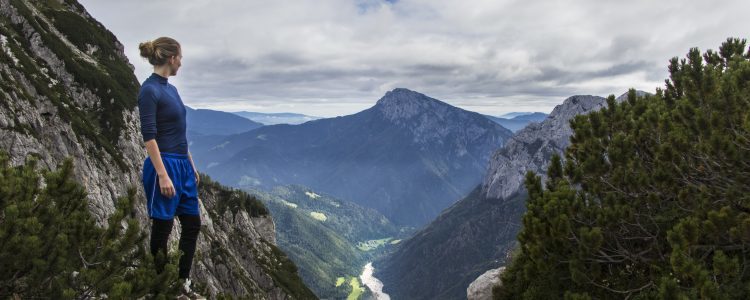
x: 337, y: 57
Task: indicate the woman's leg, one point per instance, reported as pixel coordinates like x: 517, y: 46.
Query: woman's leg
x: 191, y: 226
x: 160, y: 230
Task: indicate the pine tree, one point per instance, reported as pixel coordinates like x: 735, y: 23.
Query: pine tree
x: 51, y: 247
x: 653, y: 200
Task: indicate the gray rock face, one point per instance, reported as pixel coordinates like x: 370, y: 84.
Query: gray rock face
x: 236, y: 251
x: 431, y: 120
x: 32, y: 123
x: 481, y: 289
x: 531, y: 148
x: 52, y: 138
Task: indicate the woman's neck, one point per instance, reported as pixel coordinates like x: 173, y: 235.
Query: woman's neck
x: 163, y: 71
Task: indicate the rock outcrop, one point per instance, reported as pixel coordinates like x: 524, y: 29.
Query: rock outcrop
x: 481, y: 289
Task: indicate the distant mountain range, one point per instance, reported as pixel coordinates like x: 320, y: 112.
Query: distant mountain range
x: 276, y: 118
x: 478, y: 233
x: 409, y: 156
x: 213, y: 122
x: 517, y: 121
x: 514, y: 114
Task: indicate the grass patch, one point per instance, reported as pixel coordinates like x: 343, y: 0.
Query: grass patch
x: 318, y: 216
x: 340, y: 281
x: 357, y: 290
x: 287, y: 203
x: 372, y: 244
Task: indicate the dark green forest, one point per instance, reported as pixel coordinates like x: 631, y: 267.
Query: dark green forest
x: 651, y: 200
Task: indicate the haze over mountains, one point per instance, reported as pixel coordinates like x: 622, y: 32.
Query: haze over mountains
x: 409, y: 156
x: 212, y: 122
x: 517, y: 120
x: 276, y: 118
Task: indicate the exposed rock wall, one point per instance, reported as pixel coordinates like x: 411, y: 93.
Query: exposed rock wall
x: 531, y: 148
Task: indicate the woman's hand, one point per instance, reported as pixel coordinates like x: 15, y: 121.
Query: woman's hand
x: 167, y: 189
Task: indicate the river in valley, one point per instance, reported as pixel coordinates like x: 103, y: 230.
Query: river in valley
x: 373, y: 283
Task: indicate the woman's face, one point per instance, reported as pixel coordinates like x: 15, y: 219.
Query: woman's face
x: 175, y: 62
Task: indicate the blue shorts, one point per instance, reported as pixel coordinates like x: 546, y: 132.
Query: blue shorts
x: 182, y: 174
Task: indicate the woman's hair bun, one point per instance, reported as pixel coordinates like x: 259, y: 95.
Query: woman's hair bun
x: 159, y: 50
x: 147, y: 49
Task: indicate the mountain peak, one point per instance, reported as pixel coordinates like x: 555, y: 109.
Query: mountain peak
x: 401, y: 103
x: 403, y: 91
x: 638, y: 93
x: 401, y: 95
x: 576, y: 104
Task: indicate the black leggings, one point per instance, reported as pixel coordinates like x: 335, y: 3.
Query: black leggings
x: 160, y: 230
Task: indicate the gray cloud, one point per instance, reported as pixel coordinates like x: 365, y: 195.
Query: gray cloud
x: 337, y: 57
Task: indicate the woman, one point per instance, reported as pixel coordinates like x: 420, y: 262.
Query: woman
x: 170, y: 179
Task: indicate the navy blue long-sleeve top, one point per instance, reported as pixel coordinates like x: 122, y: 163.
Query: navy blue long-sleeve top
x: 162, y: 115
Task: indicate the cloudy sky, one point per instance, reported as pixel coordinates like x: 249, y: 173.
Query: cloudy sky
x: 338, y: 57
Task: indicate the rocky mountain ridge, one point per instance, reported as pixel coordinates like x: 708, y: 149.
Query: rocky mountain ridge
x: 429, y: 119
x: 531, y: 148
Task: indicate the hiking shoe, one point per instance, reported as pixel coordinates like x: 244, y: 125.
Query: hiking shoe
x: 188, y: 293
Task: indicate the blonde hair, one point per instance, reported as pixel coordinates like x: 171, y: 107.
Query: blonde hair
x: 159, y: 50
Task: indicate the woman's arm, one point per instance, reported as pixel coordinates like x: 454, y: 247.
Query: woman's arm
x: 147, y: 106
x: 197, y: 177
x: 165, y: 183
